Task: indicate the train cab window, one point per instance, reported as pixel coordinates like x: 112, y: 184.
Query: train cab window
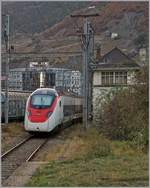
x: 42, y: 101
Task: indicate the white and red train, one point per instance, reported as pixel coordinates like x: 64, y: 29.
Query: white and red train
x: 47, y: 108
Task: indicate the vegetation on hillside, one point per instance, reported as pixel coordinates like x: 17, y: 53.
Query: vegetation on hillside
x: 141, y: 40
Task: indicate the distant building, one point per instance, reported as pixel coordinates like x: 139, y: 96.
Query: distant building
x: 64, y: 79
x: 3, y: 79
x: 49, y: 78
x: 16, y: 79
x: 76, y: 82
x: 33, y: 64
x: 30, y: 79
x: 112, y: 70
x: 56, y: 77
x: 38, y: 64
x: 67, y: 79
x: 114, y: 36
x: 24, y: 79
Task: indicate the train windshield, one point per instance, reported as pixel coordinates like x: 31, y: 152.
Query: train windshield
x: 42, y: 101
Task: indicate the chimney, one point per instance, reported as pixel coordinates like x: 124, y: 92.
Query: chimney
x: 98, y: 51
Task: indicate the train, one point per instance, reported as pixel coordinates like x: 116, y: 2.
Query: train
x: 17, y: 104
x: 47, y: 109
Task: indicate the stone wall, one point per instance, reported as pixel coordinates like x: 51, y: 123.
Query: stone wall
x: 98, y: 98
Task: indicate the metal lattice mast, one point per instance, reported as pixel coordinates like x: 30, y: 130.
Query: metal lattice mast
x: 87, y: 43
x: 7, y: 43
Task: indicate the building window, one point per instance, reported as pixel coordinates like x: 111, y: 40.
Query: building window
x: 120, y: 77
x: 114, y: 78
x: 107, y: 78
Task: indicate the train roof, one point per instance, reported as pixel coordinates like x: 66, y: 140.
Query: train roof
x: 45, y: 91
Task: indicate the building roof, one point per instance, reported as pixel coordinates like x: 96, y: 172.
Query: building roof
x: 115, y: 59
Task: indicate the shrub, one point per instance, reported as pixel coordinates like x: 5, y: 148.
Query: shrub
x: 125, y: 115
x: 96, y: 145
x: 141, y: 40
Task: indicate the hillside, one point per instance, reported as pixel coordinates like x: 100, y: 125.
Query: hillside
x: 128, y: 19
x: 116, y: 16
x: 34, y: 17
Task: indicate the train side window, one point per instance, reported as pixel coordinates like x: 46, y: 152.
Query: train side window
x: 59, y: 103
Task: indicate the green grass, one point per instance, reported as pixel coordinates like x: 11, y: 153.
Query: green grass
x: 120, y: 165
x: 105, y: 171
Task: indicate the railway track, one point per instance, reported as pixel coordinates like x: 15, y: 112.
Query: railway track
x: 22, y: 152
x: 25, y: 151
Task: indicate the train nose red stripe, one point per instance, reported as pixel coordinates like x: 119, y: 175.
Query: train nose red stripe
x: 41, y: 115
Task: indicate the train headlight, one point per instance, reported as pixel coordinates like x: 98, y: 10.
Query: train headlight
x: 49, y: 114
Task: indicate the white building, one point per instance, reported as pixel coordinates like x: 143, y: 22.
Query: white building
x: 112, y: 71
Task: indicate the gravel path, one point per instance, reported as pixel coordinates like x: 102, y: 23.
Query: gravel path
x: 22, y: 175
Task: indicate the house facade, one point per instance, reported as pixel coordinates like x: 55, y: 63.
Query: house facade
x: 111, y: 71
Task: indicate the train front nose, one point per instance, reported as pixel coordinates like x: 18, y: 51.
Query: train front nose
x: 40, y: 108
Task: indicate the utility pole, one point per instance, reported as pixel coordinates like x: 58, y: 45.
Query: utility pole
x: 85, y: 72
x: 7, y: 43
x: 87, y: 41
x: 91, y: 56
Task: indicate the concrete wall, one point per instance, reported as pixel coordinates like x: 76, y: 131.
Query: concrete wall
x: 97, y: 78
